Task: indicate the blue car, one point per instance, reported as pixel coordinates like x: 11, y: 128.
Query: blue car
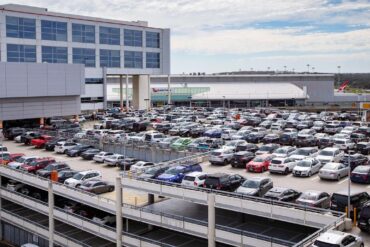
x: 213, y: 133
x: 176, y: 174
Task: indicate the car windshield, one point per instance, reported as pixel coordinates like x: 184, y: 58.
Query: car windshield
x: 21, y: 160
x: 308, y: 196
x: 231, y: 143
x: 301, y: 152
x: 331, y: 166
x: 326, y: 153
x: 50, y: 168
x: 152, y: 171
x: 251, y: 184
x: 276, y: 162
x: 78, y: 176
x: 281, y: 151
x: 304, y: 163
x: 265, y: 148
x: 215, y: 153
x: 258, y: 159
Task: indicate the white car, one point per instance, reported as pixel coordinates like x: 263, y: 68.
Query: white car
x: 338, y: 239
x: 302, y: 153
x: 284, y: 151
x: 101, y: 156
x: 194, y: 179
x: 18, y: 139
x: 221, y: 156
x: 333, y: 171
x: 282, y: 165
x: 22, y: 160
x: 306, y: 167
x: 227, y: 134
x: 329, y: 155
x: 344, y: 144
x: 114, y: 159
x: 141, y: 166
x: 64, y: 146
x: 233, y: 144
x: 13, y: 185
x: 81, y: 177
x: 108, y: 219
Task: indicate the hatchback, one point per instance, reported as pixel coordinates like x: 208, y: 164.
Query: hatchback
x: 194, y: 179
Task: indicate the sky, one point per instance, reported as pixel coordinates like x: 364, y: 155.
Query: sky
x: 230, y: 35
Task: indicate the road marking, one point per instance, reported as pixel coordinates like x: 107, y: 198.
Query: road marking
x: 315, y: 178
x: 344, y: 180
x: 368, y: 187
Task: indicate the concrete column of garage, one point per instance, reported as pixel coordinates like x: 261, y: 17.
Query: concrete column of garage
x: 51, y: 213
x: 211, y: 221
x: 119, y: 221
x: 141, y: 92
x: 120, y: 92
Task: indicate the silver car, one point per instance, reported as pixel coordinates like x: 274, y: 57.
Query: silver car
x: 333, y: 171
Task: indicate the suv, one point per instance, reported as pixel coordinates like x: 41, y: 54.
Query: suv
x: 223, y: 181
x: 256, y: 186
x: 305, y: 140
x: 13, y: 132
x: 329, y: 155
x: 339, y: 200
x: 37, y: 164
x: 176, y: 174
x: 338, y: 239
x: 21, y: 161
x: 194, y: 179
x: 240, y: 159
x: 78, y: 150
x: 363, y: 147
x: 40, y: 142
x: 57, y: 166
x: 50, y: 145
x: 221, y: 156
x: 81, y: 177
x: 364, y: 219
x: 64, y: 146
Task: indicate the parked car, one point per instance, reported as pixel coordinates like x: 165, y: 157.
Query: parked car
x: 355, y: 159
x: 344, y: 144
x: 81, y: 177
x: 11, y: 133
x: 271, y: 138
x: 223, y: 181
x: 65, y: 174
x: 90, y: 153
x: 358, y: 198
x: 313, y: 198
x: 13, y: 185
x: 282, y: 165
x: 284, y: 151
x: 267, y: 149
x: 364, y: 218
x: 251, y: 147
x: 194, y: 179
x: 306, y: 167
x: 37, y: 164
x: 126, y: 163
x: 256, y: 186
x: 260, y: 163
x: 6, y: 157
x: 181, y: 144
x: 97, y: 186
x: 305, y: 140
x: 327, y: 155
x: 78, y: 150
x: 240, y: 159
x: 27, y: 137
x: 40, y: 141
x: 64, y: 146
x: 282, y: 194
x: 325, y: 141
x: 113, y: 160
x: 361, y: 174
x: 56, y: 166
x: 141, y: 166
x: 100, y: 157
x: 363, y: 147
x: 221, y: 156
x: 153, y: 172
x: 338, y: 239
x: 288, y: 138
x: 21, y: 161
x: 176, y: 174
x: 302, y: 153
x: 165, y: 143
x: 50, y: 145
x: 333, y: 171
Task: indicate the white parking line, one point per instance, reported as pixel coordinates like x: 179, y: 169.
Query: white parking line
x: 315, y: 178
x: 342, y: 181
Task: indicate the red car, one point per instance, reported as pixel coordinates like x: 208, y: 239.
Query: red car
x: 40, y: 142
x: 260, y: 163
x: 6, y: 158
x: 37, y: 164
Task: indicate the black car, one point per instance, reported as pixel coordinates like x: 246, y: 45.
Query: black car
x: 154, y: 172
x: 358, y: 199
x: 26, y: 138
x: 89, y: 154
x: 223, y: 181
x: 247, y: 147
x: 325, y: 142
x: 288, y: 138
x: 11, y: 133
x: 363, y: 147
x: 65, y: 174
x: 358, y: 137
x: 125, y: 164
x: 271, y: 138
x: 78, y: 150
x: 364, y: 219
x: 305, y: 141
x: 197, y: 131
x: 282, y: 194
x: 355, y: 160
x: 57, y: 166
x: 50, y: 145
x: 241, y: 159
x: 163, y: 127
x: 255, y: 137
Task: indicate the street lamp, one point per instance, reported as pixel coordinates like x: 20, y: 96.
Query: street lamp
x: 308, y: 68
x: 190, y: 101
x: 338, y: 74
x: 313, y: 69
x: 284, y: 68
x: 223, y: 102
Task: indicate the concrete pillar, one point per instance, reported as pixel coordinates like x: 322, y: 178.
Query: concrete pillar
x: 121, y: 93
x: 51, y: 213
x: 211, y: 221
x: 127, y: 99
x: 150, y: 199
x: 140, y: 92
x: 119, y: 220
x: 149, y: 95
x: 169, y: 90
x: 104, y: 88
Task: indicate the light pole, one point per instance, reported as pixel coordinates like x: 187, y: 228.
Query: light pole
x: 223, y: 103
x: 308, y: 68
x: 338, y: 74
x: 313, y: 69
x: 349, y: 186
x: 147, y: 107
x: 190, y: 101
x: 284, y: 68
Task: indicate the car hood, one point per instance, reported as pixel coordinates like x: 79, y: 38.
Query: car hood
x: 301, y: 168
x: 247, y: 191
x: 297, y: 157
x: 15, y: 164
x: 322, y: 157
x: 72, y: 180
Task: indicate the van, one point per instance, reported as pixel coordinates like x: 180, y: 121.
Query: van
x: 339, y: 201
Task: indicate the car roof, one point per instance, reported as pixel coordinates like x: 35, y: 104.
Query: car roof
x: 88, y: 171
x: 332, y: 237
x: 195, y: 174
x: 353, y: 192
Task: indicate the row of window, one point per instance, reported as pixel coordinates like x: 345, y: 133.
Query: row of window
x: 108, y: 58
x: 25, y: 28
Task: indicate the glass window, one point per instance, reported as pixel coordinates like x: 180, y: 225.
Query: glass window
x: 133, y: 59
x: 109, y: 35
x: 51, y: 54
x: 83, y: 33
x: 53, y: 30
x: 21, y: 53
x: 133, y: 38
x: 110, y: 58
x: 152, y: 39
x: 23, y: 28
x: 152, y: 60
x: 84, y: 56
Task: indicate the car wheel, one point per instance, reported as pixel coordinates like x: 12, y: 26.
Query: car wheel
x: 78, y: 186
x: 309, y: 174
x: 111, y: 189
x: 225, y: 162
x: 65, y: 152
x: 362, y: 245
x: 338, y: 178
x: 286, y: 171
